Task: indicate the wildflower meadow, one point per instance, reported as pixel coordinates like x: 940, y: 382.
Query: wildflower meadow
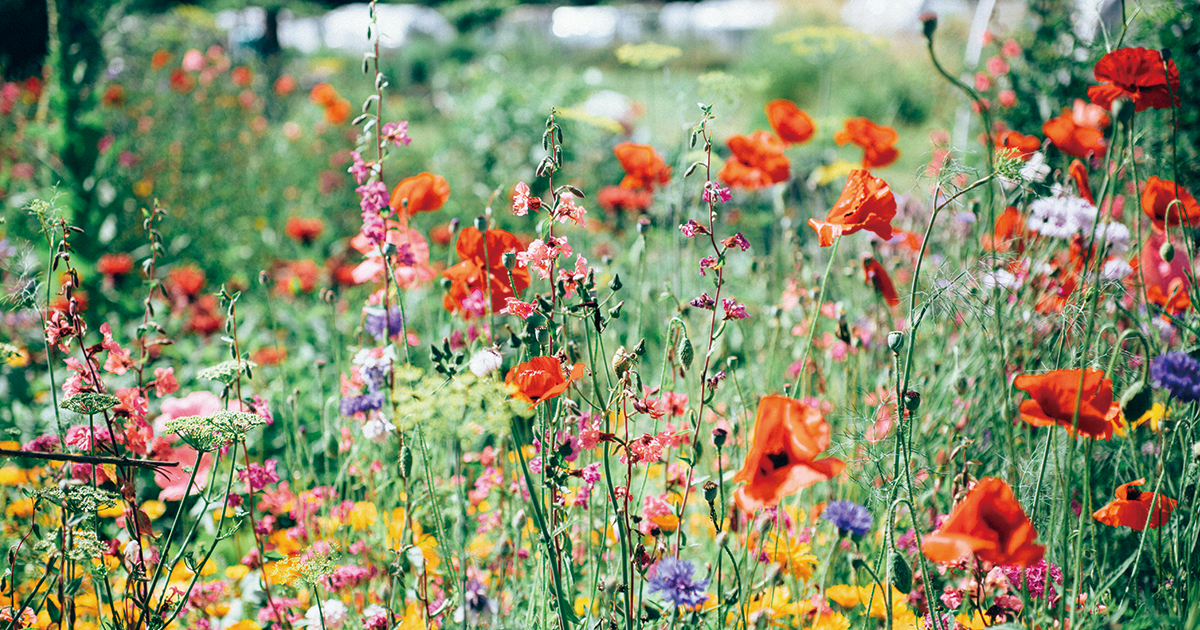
x: 807, y: 328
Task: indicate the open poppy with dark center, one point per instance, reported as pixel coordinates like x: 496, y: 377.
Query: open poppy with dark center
x: 1054, y: 395
x: 644, y: 167
x: 540, y: 379
x: 877, y: 141
x: 989, y: 523
x: 1163, y: 201
x: 424, y: 192
x: 878, y: 277
x: 866, y: 203
x: 480, y: 270
x: 789, y: 437
x: 792, y: 124
x: 757, y: 161
x: 1137, y: 74
x: 1132, y: 507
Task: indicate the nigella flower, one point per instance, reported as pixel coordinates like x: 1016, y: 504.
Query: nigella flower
x: 378, y: 323
x: 705, y: 302
x: 673, y: 581
x: 1178, y: 373
x: 849, y: 517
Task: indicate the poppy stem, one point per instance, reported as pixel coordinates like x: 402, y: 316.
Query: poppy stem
x: 812, y: 324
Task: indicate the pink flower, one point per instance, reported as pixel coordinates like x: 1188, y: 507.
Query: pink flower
x: 374, y: 197
x: 982, y: 82
x: 692, y: 228
x: 716, y: 193
x: 541, y: 255
x: 568, y: 210
x: 133, y: 404
x: 570, y: 278
x: 1010, y: 48
x: 475, y: 303
x: 734, y: 309
x: 258, y: 477
x: 645, y: 449
x: 1007, y: 98
x: 194, y: 404
x: 997, y: 66
x: 359, y: 169
x: 174, y: 481
x: 193, y: 61
x: 522, y: 200
x: 164, y: 382
x: 396, y: 133
x: 517, y: 307
x: 708, y: 262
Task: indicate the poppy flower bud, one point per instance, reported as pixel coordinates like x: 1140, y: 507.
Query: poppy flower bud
x: 446, y: 282
x: 1122, y: 110
x: 1167, y: 251
x: 1136, y: 401
x: 542, y: 335
x: 518, y: 522
x: 264, y: 277
x: 686, y: 352
x: 389, y: 249
x: 481, y: 223
x: 406, y: 462
x: 454, y: 223
x: 928, y: 23
x: 719, y: 435
x: 509, y: 259
x: 643, y: 226
x: 895, y: 341
x: 899, y: 573
x: 912, y: 400
x: 730, y: 363
x: 640, y: 348
x: 1166, y: 54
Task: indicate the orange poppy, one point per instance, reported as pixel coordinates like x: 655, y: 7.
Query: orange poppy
x: 1009, y: 232
x: 1073, y: 138
x: 783, y: 457
x: 1054, y: 396
x: 792, y: 124
x: 468, y: 276
x: 877, y: 141
x: 988, y: 522
x: 644, y: 167
x: 1132, y: 508
x: 876, y: 276
x: 540, y: 379
x: 338, y: 112
x: 1158, y: 197
x: 865, y: 203
x: 425, y: 192
x: 323, y: 94
x: 1174, y: 300
x: 304, y: 230
x: 757, y: 161
x: 1079, y: 173
x: 1024, y: 146
x: 1136, y: 74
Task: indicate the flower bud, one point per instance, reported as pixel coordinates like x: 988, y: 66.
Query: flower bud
x: 686, y: 352
x: 389, y: 249
x: 518, y: 521
x: 929, y: 23
x: 719, y: 435
x: 406, y: 462
x: 912, y: 400
x: 643, y: 226
x: 264, y: 277
x: 1167, y: 251
x: 446, y: 282
x: 542, y: 335
x: 895, y: 341
x: 710, y: 491
x: 615, y: 284
x: 481, y: 223
x: 509, y: 259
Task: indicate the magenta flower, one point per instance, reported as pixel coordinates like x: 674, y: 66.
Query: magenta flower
x: 396, y: 133
x: 734, y: 309
x: 359, y: 169
x: 258, y: 476
x: 692, y: 228
x: 716, y: 193
x: 708, y: 262
x: 705, y: 302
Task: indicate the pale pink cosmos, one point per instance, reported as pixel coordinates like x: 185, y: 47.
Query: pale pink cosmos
x: 174, y: 481
x: 195, y: 404
x: 396, y: 133
x: 516, y: 307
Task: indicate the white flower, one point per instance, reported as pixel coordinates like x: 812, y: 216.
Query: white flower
x: 374, y: 610
x: 1035, y: 169
x: 1116, y: 269
x: 333, y: 610
x: 1061, y: 216
x: 485, y: 362
x: 1116, y: 235
x: 378, y: 429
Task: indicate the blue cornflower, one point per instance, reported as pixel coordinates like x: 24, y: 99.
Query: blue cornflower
x: 848, y: 517
x: 1178, y: 373
x: 673, y: 581
x: 377, y: 324
x: 351, y: 405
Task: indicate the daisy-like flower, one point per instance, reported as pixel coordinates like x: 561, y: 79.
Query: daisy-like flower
x: 673, y: 581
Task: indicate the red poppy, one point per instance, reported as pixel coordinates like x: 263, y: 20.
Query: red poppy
x: 338, y: 112
x: 114, y: 96
x: 644, y: 167
x: 783, y: 457
x: 269, y: 355
x: 757, y: 161
x: 865, y: 203
x: 284, y: 85
x: 180, y: 81
x: 540, y: 379
x: 115, y: 264
x: 1174, y: 300
x: 616, y: 198
x: 1158, y: 198
x: 1009, y: 232
x: 1074, y: 138
x: 323, y: 94
x: 441, y: 234
x: 1079, y: 173
x: 241, y: 76
x: 1054, y: 396
x: 988, y: 522
x: 876, y: 276
x: 877, y: 141
x: 186, y: 281
x: 159, y: 59
x: 410, y: 263
x: 1136, y: 74
x: 304, y: 230
x: 296, y: 277
x: 1024, y: 146
x: 425, y: 192
x: 1132, y: 508
x: 203, y: 317
x: 792, y: 124
x: 468, y: 276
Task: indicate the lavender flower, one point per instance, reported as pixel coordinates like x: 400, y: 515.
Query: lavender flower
x: 848, y: 517
x: 351, y: 405
x: 673, y: 581
x: 705, y: 302
x: 378, y: 322
x: 1178, y: 373
x: 734, y: 309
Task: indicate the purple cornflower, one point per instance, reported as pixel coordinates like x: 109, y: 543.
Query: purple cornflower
x: 848, y: 517
x: 1178, y: 373
x: 378, y: 323
x: 705, y: 302
x: 716, y: 193
x: 673, y: 581
x: 396, y: 133
x: 691, y: 228
x: 351, y: 405
x: 733, y: 309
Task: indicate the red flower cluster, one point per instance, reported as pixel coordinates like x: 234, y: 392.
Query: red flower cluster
x: 877, y: 141
x: 480, y: 272
x: 1136, y: 74
x: 644, y: 167
x: 757, y: 161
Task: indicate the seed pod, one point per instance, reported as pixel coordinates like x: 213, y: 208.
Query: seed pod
x: 895, y: 341
x: 481, y: 223
x: 686, y: 352
x: 406, y: 462
x: 1167, y: 252
x: 1136, y: 401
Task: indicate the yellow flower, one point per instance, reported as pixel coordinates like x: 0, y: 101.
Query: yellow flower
x: 1154, y: 417
x: 10, y: 445
x: 112, y: 511
x: 13, y: 476
x: 583, y: 604
x: 791, y: 555
x: 481, y: 547
x: 20, y: 509
x: 878, y: 603
x: 154, y: 509
x: 412, y: 619
x: 363, y: 515
x: 974, y: 621
x: 245, y: 624
x: 843, y: 595
x: 217, y: 610
x: 832, y: 621
x: 825, y: 174
x: 236, y: 572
